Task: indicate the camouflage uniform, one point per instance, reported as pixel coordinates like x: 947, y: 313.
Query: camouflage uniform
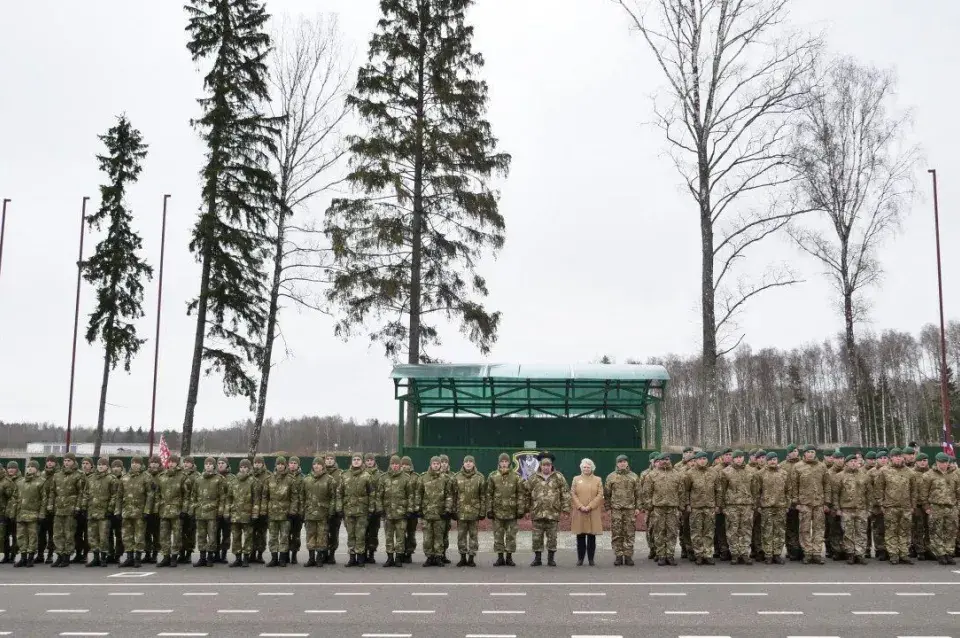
x: 8, y: 490
x: 115, y: 547
x: 395, y: 500
x: 279, y: 499
x: 549, y: 497
x: 333, y: 525
x: 27, y: 506
x: 319, y: 497
x: 80, y: 542
x: 939, y: 492
x: 621, y: 495
x: 223, y: 536
x: 173, y: 507
x: 773, y: 500
x: 833, y: 524
x: 435, y: 502
x: 151, y: 531
x: 506, y: 503
x: 100, y: 501
x: 739, y: 487
x: 447, y: 522
x: 895, y: 490
x: 661, y: 496
x: 373, y: 524
x: 259, y: 523
x: 410, y: 533
x: 809, y: 484
x: 469, y: 493
x: 356, y: 499
x: 188, y: 526
x: 242, y: 508
x: 701, y: 494
x: 45, y: 524
x: 853, y: 497
x: 649, y: 533
x: 136, y: 501
x: 920, y: 527
x: 63, y: 499
x: 209, y: 500
x: 877, y: 523
x: 792, y: 531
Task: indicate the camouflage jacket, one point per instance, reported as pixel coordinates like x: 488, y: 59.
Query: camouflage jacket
x: 739, y: 486
x: 173, y: 496
x: 394, y: 495
x: 154, y: 479
x: 319, y: 497
x: 834, y: 474
x: 774, y: 487
x: 243, y: 499
x: 296, y: 478
x: 469, y: 495
x: 435, y: 497
x: 661, y: 489
x: 47, y: 477
x: 701, y: 488
x: 136, y: 494
x: 279, y: 495
x: 939, y: 488
x: 209, y: 496
x: 356, y: 495
x: 896, y: 487
x: 853, y: 490
x: 621, y: 490
x: 414, y: 480
x: 549, y: 496
x: 65, y: 492
x: 8, y: 490
x: 101, y: 496
x: 809, y: 484
x: 190, y: 482
x: 28, y: 499
x: 506, y: 500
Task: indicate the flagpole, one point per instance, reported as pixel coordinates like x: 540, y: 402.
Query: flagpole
x: 156, y: 341
x: 944, y: 390
x: 76, y: 322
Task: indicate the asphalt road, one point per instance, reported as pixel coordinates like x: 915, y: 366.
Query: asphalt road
x: 737, y: 601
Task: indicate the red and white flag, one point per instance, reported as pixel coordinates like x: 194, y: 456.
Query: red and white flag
x: 164, y: 452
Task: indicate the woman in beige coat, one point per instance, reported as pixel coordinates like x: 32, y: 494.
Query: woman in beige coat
x: 586, y: 496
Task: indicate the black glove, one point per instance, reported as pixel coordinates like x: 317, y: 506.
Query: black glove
x: 220, y: 520
x: 446, y: 516
x: 146, y: 516
x: 454, y: 517
x: 291, y: 518
x: 184, y: 516
x: 411, y: 516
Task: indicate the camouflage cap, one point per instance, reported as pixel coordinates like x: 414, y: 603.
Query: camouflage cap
x: 469, y: 457
x: 434, y: 459
x: 329, y: 455
x: 942, y: 457
x: 294, y: 459
x: 895, y: 451
x: 223, y: 457
x: 356, y: 455
x: 922, y: 457
x: 174, y: 459
x: 136, y: 459
x: 280, y: 460
x: 13, y: 465
x: 318, y: 460
x: 503, y: 457
x: 258, y: 457
x: 209, y: 460
x: 394, y: 460
x: 546, y: 461
x: 51, y: 457
x: 70, y: 455
x: 369, y: 456
x: 155, y: 459
x: 444, y: 458
x: 116, y: 463
x: 771, y: 455
x: 871, y: 455
x: 103, y: 461
x: 87, y: 459
x: 188, y: 459
x: 246, y: 463
x: 622, y: 457
x: 909, y: 450
x: 32, y: 463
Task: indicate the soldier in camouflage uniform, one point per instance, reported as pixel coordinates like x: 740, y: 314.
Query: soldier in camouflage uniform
x: 435, y: 501
x: 739, y: 488
x: 621, y: 495
x: 373, y: 524
x: 649, y: 533
x: 241, y: 508
x: 259, y: 523
x: 447, y: 523
x: 100, y: 501
x: 45, y: 533
x: 223, y: 525
x: 549, y: 498
x: 469, y: 493
x: 895, y: 490
x: 939, y: 495
x: 26, y: 507
x: 686, y: 544
x: 869, y: 466
x: 700, y: 492
x: 792, y: 531
x: 356, y: 499
x: 920, y: 531
x: 151, y: 531
x: 721, y: 548
x: 774, y: 498
x: 318, y: 501
x: 877, y: 526
x: 63, y: 499
x: 661, y: 496
x: 333, y: 525
x: 115, y: 535
x: 809, y: 484
x: 833, y: 527
x: 188, y: 529
x: 395, y: 502
x: 853, y: 498
x: 506, y: 503
x: 173, y: 507
x: 136, y: 501
x: 756, y: 533
x: 296, y: 523
x: 410, y: 534
x: 279, y: 499
x: 7, y: 491
x: 208, y: 506
x: 80, y: 543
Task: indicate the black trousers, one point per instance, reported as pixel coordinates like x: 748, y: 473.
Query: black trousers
x: 223, y: 534
x: 44, y: 534
x: 80, y: 535
x: 296, y: 527
x: 586, y: 545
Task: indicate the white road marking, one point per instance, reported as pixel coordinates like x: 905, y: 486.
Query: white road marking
x: 779, y: 613
x: 85, y: 633
x: 687, y: 613
x: 508, y: 593
x: 915, y: 593
x: 831, y: 593
x: 351, y: 593
x: 151, y: 611
x: 748, y: 593
x: 487, y: 584
x: 5, y: 633
x: 131, y: 574
x: 70, y: 611
x: 595, y: 613
x: 125, y: 593
x: 429, y: 593
x: 668, y: 593
x: 923, y: 636
x: 275, y: 593
x: 238, y: 611
x: 599, y: 636
x: 489, y: 635
x: 876, y: 613
x: 414, y: 611
x: 502, y: 611
x: 386, y: 635
x: 813, y: 636
x: 184, y: 634
x: 200, y: 593
x: 954, y: 613
x: 52, y: 593
x: 324, y: 611
x: 268, y: 635
x: 588, y: 593
x: 713, y: 637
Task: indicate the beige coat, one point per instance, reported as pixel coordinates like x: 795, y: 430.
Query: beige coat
x: 586, y: 490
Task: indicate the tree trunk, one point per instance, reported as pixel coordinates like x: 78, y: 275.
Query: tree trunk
x: 265, y: 364
x: 712, y: 430
x: 852, y: 371
x: 197, y: 361
x: 103, y: 404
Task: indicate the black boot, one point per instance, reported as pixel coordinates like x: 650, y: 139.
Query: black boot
x: 49, y: 560
x: 29, y: 560
x: 203, y: 560
x: 444, y: 560
x: 165, y: 562
x: 237, y: 561
x: 499, y: 562
x: 536, y: 562
x: 311, y: 558
x: 396, y: 561
x: 628, y: 561
x: 321, y: 557
x: 22, y: 562
x: 136, y: 560
x: 618, y: 561
x: 284, y: 559
x: 509, y: 562
x: 429, y: 562
x: 246, y: 560
x: 361, y: 559
x: 550, y: 561
x: 293, y: 558
x: 274, y: 559
x: 463, y: 561
x: 128, y: 562
x: 173, y: 561
x: 470, y: 561
x: 96, y: 560
x: 371, y: 559
x: 389, y: 562
x: 330, y: 559
x: 353, y: 560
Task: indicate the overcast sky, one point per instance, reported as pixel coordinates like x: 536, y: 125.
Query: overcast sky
x: 602, y: 252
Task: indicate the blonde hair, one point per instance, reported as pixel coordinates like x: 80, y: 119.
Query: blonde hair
x: 588, y: 463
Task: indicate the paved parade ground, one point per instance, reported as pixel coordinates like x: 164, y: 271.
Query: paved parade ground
x: 756, y: 601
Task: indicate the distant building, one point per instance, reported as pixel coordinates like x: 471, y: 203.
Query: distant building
x: 86, y: 449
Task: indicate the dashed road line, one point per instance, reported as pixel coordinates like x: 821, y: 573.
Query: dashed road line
x: 71, y: 611
x: 508, y: 593
x: 595, y: 613
x: 131, y: 574
x: 84, y: 633
x: 599, y: 636
x: 324, y: 611
x: 201, y: 593
x: 414, y: 611
x: 686, y: 613
x: 779, y: 613
x: 125, y: 593
x: 831, y: 593
x: 915, y: 593
x: 668, y: 593
x: 503, y: 611
x: 588, y: 593
x: 429, y: 593
x: 275, y: 635
x: 183, y: 634
x: 151, y: 611
x: 238, y: 611
x: 954, y: 613
x: 386, y: 635
x: 275, y: 593
x: 703, y: 636
x: 52, y: 593
x: 489, y: 636
x: 923, y: 636
x: 875, y: 613
x: 748, y: 593
x: 813, y: 636
x: 351, y: 593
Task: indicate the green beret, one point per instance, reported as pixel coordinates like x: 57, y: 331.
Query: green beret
x: 434, y: 459
x: 791, y: 447
x: 881, y: 451
x: 653, y: 456
x: 444, y: 458
x: 761, y: 453
x: 909, y: 450
x: 280, y: 460
x: 701, y: 455
x: 103, y: 461
x: 209, y: 460
x: 622, y: 457
x: 665, y: 456
x: 32, y: 463
x: 771, y: 455
x: 294, y: 459
x: 725, y: 450
x: 136, y: 459
x: 245, y: 463
x: 394, y: 460
x: 116, y: 463
x: 738, y: 453
x: 406, y: 460
x: 942, y: 457
x: 318, y: 460
x: 871, y: 455
x: 882, y: 455
x: 687, y: 449
x: 468, y: 457
x: 895, y: 451
x: 837, y: 454
x: 503, y: 457
x: 13, y: 465
x: 850, y: 457
x: 922, y: 457
x: 809, y: 447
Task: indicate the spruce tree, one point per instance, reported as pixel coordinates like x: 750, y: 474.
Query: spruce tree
x: 116, y: 269
x: 406, y: 249
x: 238, y: 192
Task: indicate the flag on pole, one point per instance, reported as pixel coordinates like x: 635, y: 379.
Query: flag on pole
x: 164, y: 452
x: 946, y: 444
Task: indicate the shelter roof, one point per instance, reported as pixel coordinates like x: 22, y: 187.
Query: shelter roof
x: 602, y: 371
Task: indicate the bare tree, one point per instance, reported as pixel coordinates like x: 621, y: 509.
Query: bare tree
x: 734, y: 74
x: 855, y: 169
x: 309, y: 87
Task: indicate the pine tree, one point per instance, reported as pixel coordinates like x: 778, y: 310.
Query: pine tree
x: 406, y: 250
x: 115, y: 268
x: 238, y: 193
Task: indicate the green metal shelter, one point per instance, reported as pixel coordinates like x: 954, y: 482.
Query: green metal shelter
x: 571, y: 410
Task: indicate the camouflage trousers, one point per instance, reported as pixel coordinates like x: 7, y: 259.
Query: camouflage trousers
x: 876, y: 529
x: 447, y: 525
x: 394, y: 530
x: 467, y: 540
x: 207, y: 535
x: 279, y: 535
x: 897, y: 536
x: 134, y: 536
x: 773, y: 521
x: 3, y: 534
x: 545, y: 527
x: 188, y: 535
x: 242, y: 537
x: 432, y: 536
x: 833, y: 529
x: 623, y: 531
x: 666, y: 527
x: 27, y: 536
x: 920, y: 532
x: 943, y: 529
x: 854, y: 532
x: 792, y: 532
x: 373, y: 533
x: 259, y: 534
x: 686, y: 543
x: 756, y: 534
x: 811, y: 529
x: 504, y: 535
x: 80, y: 543
x: 720, y: 544
x: 64, y: 533
x: 98, y: 529
x: 333, y: 532
x: 171, y: 536
x: 317, y: 536
x: 356, y: 533
x: 410, y: 535
x: 702, y: 527
x: 739, y: 527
